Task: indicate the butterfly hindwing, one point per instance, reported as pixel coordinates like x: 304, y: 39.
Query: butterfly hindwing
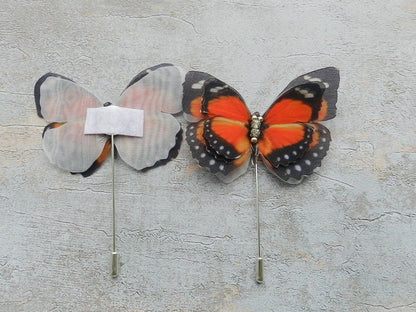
x: 227, y: 169
x: 284, y: 144
x: 294, y: 172
x: 158, y: 92
x: 227, y: 138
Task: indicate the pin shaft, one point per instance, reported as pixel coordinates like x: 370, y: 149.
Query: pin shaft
x: 114, y: 255
x: 259, y: 263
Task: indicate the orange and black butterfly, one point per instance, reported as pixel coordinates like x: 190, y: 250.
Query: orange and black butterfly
x: 224, y: 135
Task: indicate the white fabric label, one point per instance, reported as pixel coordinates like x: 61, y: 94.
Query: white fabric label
x: 114, y: 120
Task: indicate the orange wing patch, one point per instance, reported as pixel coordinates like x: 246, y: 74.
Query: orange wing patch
x: 52, y: 125
x: 299, y: 104
x: 284, y: 144
x: 219, y: 99
x: 228, y: 138
x: 323, y: 113
x: 230, y: 107
x: 288, y: 111
x: 226, y: 169
x: 294, y: 172
x: 97, y: 163
x: 195, y: 108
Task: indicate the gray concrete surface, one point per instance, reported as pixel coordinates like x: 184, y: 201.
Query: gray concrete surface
x: 344, y: 240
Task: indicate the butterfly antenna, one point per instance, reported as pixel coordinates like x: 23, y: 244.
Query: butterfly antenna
x: 259, y: 263
x: 114, y: 254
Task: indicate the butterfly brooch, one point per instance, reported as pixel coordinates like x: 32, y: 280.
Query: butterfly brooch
x: 63, y: 104
x: 223, y: 134
x: 156, y: 92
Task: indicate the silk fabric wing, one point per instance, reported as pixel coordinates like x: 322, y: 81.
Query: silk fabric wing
x: 63, y: 104
x: 223, y: 134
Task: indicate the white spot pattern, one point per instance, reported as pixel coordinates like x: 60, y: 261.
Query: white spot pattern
x: 218, y: 88
x: 198, y: 85
x: 305, y: 92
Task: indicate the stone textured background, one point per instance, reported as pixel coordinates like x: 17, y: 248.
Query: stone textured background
x: 344, y: 240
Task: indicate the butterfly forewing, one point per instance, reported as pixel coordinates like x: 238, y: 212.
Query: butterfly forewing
x: 192, y: 97
x: 59, y: 99
x: 328, y: 79
x: 299, y: 104
x: 219, y: 99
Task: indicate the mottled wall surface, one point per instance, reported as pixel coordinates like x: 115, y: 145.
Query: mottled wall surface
x: 343, y: 240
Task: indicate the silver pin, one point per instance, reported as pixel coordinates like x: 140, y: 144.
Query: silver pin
x: 259, y: 263
x: 114, y: 254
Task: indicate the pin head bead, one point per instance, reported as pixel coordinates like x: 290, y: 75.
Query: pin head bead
x: 255, y: 124
x: 255, y: 132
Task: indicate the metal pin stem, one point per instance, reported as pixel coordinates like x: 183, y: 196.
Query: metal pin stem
x: 114, y: 255
x: 259, y: 263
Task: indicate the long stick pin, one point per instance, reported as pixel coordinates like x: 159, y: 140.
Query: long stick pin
x: 114, y: 120
x: 259, y: 263
x: 114, y: 254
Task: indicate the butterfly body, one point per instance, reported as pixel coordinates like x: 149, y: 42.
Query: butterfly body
x: 255, y: 127
x: 223, y: 134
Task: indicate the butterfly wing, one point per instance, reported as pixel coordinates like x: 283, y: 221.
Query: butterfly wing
x: 328, y: 79
x: 219, y: 140
x: 292, y: 143
x: 294, y: 172
x: 192, y: 97
x: 63, y: 104
x: 158, y: 92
